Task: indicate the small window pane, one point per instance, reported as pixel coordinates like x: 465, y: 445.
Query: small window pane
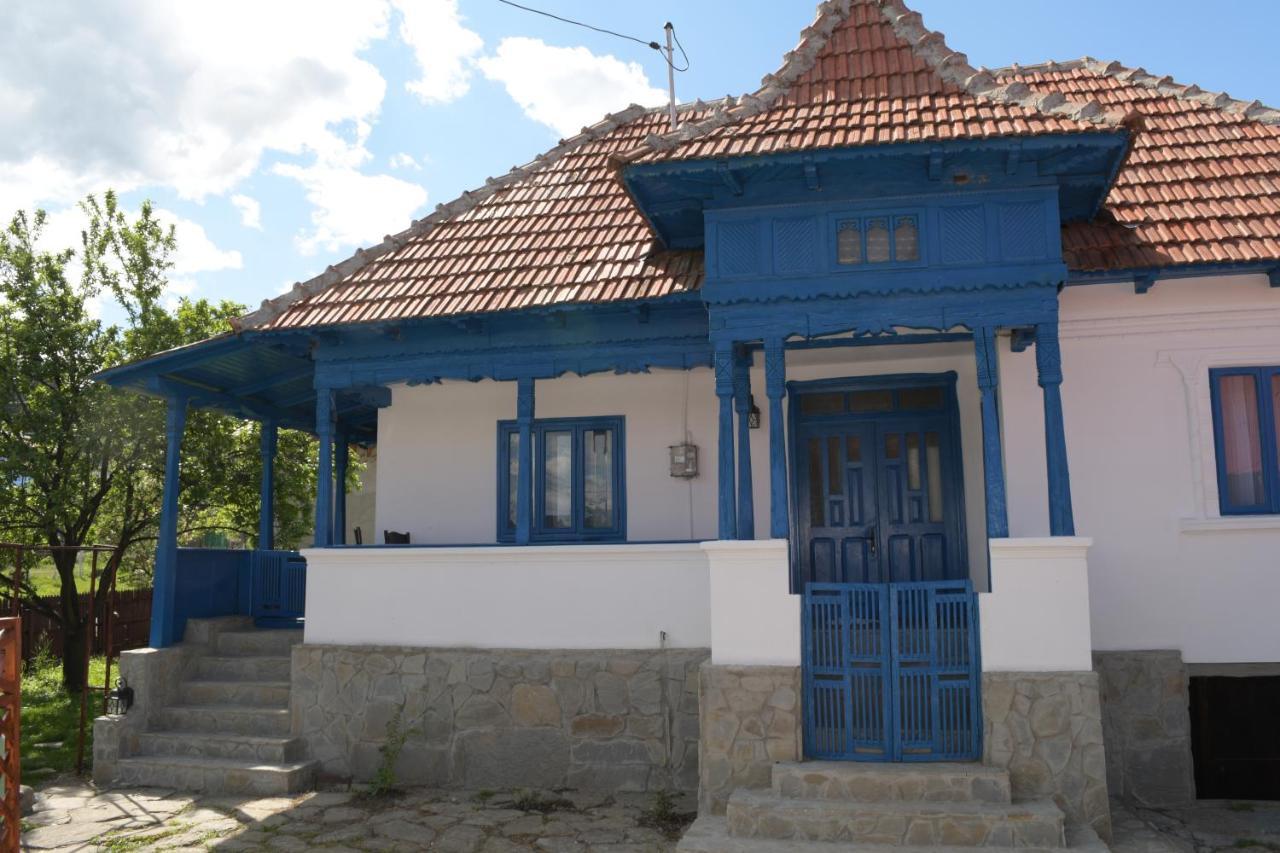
x: 835, y: 470
x: 933, y: 464
x: 1242, y: 441
x: 854, y: 450
x: 877, y: 241
x: 849, y: 242
x: 892, y: 445
x: 915, y: 399
x: 906, y: 239
x: 871, y: 401
x: 817, y: 500
x: 513, y: 476
x: 597, y: 466
x: 913, y: 461
x: 821, y: 404
x: 557, y: 508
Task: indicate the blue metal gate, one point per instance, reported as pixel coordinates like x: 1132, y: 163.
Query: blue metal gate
x: 892, y: 672
x: 279, y: 587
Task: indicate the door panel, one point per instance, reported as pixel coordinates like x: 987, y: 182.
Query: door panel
x: 837, y: 507
x: 913, y: 487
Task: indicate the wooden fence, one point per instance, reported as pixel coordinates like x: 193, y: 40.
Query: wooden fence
x: 10, y: 712
x: 130, y: 624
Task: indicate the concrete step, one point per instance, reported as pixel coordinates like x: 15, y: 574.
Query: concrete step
x: 243, y: 667
x: 215, y: 775
x: 257, y: 642
x: 889, y: 783
x: 763, y: 814
x: 225, y: 719
x: 266, y: 750
x: 711, y: 835
x: 258, y: 694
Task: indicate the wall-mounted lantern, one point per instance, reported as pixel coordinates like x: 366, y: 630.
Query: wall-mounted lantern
x: 684, y: 460
x: 120, y: 699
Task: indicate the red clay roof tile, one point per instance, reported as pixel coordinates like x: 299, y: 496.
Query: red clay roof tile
x: 1200, y: 183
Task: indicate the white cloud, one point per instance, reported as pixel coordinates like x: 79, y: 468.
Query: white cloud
x: 445, y: 50
x: 195, y: 252
x: 351, y: 208
x: 250, y: 211
x: 188, y: 95
x: 567, y: 88
x: 404, y: 161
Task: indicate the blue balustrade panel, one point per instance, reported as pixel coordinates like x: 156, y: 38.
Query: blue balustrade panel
x: 892, y: 672
x: 279, y: 587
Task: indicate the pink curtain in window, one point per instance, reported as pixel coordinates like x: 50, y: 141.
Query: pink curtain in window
x: 1242, y: 443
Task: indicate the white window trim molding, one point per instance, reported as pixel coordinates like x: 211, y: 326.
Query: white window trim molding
x: 1193, y: 366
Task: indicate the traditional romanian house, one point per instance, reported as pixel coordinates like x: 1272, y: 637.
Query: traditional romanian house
x: 889, y: 455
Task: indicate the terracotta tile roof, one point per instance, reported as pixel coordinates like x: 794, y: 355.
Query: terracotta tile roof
x: 869, y: 72
x: 1202, y: 181
x: 1200, y: 185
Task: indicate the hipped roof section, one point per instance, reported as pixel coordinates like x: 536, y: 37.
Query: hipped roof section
x: 562, y: 230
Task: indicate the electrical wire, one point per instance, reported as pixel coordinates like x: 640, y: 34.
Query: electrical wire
x: 649, y: 44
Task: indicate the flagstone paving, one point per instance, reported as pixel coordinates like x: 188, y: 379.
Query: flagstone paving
x: 78, y: 817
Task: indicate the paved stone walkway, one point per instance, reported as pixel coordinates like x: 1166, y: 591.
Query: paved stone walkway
x: 76, y: 817
x: 1208, y: 826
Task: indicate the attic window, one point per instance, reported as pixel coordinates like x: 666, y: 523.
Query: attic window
x: 877, y: 240
x: 880, y: 239
x: 906, y: 239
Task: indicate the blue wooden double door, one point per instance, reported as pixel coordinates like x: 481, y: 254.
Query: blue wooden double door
x: 890, y: 644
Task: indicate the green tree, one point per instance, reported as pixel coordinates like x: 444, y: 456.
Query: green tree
x: 81, y: 463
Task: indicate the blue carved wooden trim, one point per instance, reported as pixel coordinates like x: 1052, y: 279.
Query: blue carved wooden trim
x: 1049, y: 376
x: 877, y: 314
x: 524, y: 471
x: 539, y: 533
x: 891, y: 672
x: 988, y: 362
x: 164, y: 628
x: 742, y: 404
x: 341, y: 459
x: 324, y: 469
x: 266, y: 493
x: 728, y: 527
x: 1262, y: 377
x: 775, y: 377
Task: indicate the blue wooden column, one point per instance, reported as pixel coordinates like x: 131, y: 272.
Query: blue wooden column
x: 742, y: 403
x: 324, y: 468
x: 342, y: 457
x: 724, y: 390
x: 984, y: 346
x: 1049, y: 370
x: 266, y: 521
x: 775, y: 378
x: 524, y: 474
x: 165, y: 580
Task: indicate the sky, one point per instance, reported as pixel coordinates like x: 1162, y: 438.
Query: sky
x: 279, y: 136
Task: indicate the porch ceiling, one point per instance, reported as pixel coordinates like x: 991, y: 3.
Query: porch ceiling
x: 255, y: 377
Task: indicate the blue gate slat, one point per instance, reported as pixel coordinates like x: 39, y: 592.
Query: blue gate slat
x: 891, y: 671
x: 278, y: 582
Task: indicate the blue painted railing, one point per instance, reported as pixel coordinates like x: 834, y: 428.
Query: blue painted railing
x: 212, y: 582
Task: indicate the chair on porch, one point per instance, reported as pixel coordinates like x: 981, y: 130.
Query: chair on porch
x: 391, y: 537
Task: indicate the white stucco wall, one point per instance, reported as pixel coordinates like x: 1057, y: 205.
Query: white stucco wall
x: 538, y: 597
x: 437, y: 444
x: 755, y: 620
x: 1164, y: 571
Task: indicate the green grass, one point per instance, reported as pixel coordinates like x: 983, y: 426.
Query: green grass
x: 50, y: 714
x: 44, y: 577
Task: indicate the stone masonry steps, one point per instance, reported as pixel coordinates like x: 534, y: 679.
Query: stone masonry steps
x: 228, y: 730
x: 226, y: 775
x: 885, y: 783
x: 756, y: 814
x: 710, y: 834
x: 832, y: 807
x: 271, y: 750
x: 243, y: 667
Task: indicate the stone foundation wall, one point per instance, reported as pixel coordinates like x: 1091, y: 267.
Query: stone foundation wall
x: 590, y: 720
x: 750, y: 718
x: 1146, y: 718
x: 1045, y: 728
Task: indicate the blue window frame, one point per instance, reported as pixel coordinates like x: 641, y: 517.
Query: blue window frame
x: 579, y: 480
x: 1246, y: 440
